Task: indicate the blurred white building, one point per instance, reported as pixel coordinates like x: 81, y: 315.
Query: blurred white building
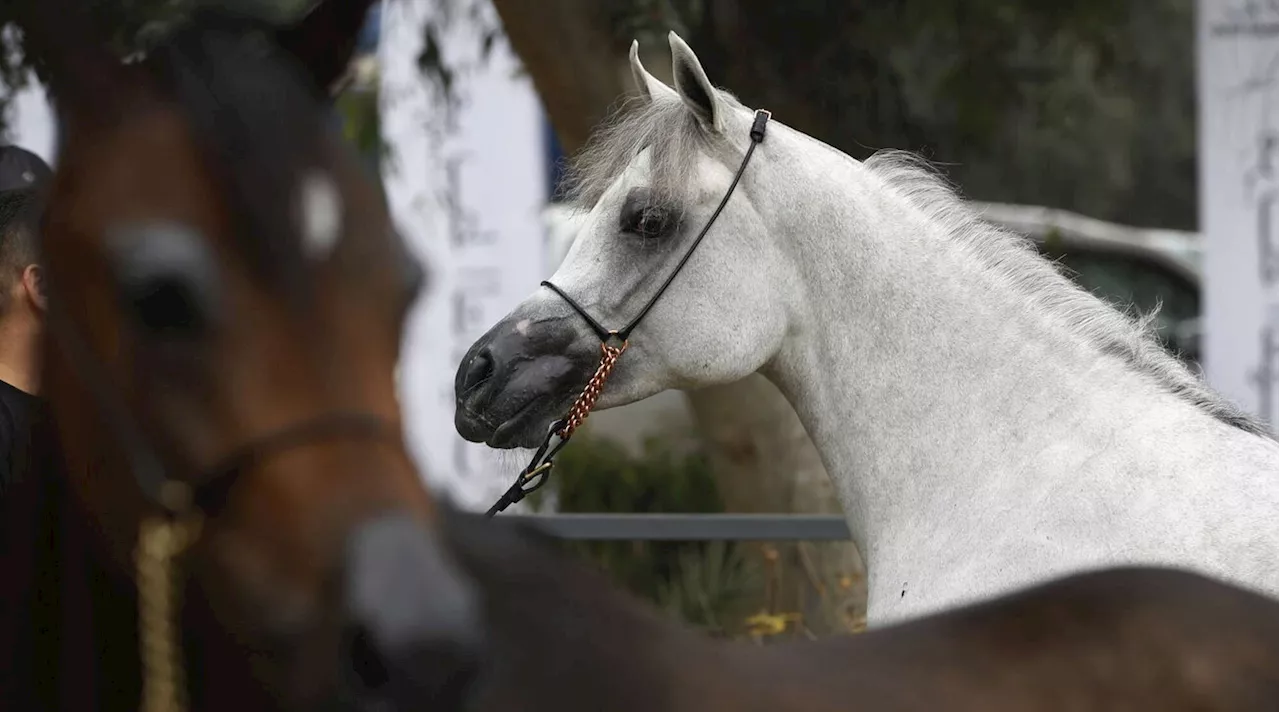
x: 466, y: 188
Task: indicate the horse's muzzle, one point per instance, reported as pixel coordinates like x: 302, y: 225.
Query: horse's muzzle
x: 414, y: 636
x: 518, y: 378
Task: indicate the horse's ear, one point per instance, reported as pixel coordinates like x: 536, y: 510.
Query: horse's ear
x: 325, y: 39
x: 87, y: 83
x: 693, y: 86
x: 649, y: 86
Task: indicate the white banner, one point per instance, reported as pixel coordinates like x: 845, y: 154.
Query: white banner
x: 1237, y: 51
x: 31, y: 123
x: 466, y: 190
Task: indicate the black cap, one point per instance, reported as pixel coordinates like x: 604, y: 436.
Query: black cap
x: 21, y: 169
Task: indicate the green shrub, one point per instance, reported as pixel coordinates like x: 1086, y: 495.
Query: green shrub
x: 701, y: 583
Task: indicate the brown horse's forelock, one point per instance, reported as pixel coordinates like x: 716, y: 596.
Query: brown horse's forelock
x: 253, y: 117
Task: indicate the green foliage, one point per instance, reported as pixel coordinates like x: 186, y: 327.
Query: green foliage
x: 127, y: 25
x: 596, y: 475
x: 360, y: 122
x: 710, y: 585
x: 1088, y: 105
x: 699, y: 582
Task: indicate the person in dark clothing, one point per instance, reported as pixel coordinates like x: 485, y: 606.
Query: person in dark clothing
x: 23, y: 177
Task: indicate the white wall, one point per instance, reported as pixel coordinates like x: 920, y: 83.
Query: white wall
x: 467, y: 194
x: 1237, y: 50
x: 31, y: 125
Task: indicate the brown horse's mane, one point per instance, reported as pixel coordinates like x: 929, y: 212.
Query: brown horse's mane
x: 566, y: 640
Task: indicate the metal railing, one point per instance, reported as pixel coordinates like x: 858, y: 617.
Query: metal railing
x: 689, y: 527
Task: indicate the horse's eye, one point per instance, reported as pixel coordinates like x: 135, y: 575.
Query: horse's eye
x: 647, y: 222
x: 166, y: 279
x: 166, y: 306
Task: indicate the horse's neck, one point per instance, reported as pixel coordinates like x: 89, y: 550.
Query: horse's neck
x: 563, y: 638
x: 935, y: 390
x: 70, y: 622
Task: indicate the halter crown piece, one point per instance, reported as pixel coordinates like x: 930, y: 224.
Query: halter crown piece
x: 612, y: 344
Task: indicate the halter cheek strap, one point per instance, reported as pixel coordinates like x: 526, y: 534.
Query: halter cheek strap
x: 612, y: 345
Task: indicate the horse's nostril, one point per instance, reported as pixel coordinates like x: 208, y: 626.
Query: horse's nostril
x: 407, y: 674
x: 479, y: 370
x: 367, y: 664
x: 413, y: 624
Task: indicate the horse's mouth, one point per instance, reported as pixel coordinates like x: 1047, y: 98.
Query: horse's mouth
x: 520, y: 429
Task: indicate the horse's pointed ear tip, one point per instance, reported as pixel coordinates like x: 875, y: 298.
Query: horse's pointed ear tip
x: 679, y: 48
x: 634, y: 52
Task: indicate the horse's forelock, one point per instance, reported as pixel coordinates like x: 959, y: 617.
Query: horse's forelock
x: 665, y: 127
x: 258, y: 121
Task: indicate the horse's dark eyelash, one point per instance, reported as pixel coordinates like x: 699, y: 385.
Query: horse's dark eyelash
x: 635, y: 222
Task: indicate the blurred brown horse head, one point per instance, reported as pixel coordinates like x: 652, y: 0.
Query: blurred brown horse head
x: 226, y: 294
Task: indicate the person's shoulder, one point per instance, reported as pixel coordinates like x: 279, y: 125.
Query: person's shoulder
x: 15, y: 405
x: 11, y: 416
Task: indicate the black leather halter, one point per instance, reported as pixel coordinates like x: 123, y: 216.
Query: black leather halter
x: 613, y: 343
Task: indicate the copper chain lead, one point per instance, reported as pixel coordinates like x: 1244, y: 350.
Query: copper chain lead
x: 587, y: 399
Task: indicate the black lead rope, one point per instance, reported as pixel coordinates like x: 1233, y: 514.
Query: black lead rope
x: 613, y: 343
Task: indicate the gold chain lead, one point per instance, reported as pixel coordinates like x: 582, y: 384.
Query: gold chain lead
x: 160, y: 542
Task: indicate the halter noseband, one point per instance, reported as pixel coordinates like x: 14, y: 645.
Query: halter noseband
x: 612, y: 344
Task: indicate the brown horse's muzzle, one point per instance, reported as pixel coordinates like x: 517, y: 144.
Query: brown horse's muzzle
x: 413, y: 636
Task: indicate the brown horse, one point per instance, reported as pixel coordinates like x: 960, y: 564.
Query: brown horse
x: 226, y: 293
x: 564, y: 640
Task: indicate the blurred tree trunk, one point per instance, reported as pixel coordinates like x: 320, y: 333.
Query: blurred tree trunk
x: 569, y: 49
x: 762, y: 457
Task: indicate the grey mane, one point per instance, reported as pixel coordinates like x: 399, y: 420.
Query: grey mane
x: 1039, y: 280
x: 672, y: 134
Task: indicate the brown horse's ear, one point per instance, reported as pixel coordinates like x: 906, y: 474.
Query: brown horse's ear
x: 88, y: 83
x: 324, y: 40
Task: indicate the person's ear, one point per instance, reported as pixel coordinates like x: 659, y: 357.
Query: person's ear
x: 33, y: 285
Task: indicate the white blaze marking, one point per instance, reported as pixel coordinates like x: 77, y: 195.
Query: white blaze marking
x: 522, y: 327
x: 321, y: 215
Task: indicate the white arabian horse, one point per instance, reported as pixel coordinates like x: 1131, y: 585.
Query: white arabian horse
x: 988, y: 423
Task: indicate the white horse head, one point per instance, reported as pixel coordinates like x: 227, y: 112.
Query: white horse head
x: 975, y: 407
x: 650, y: 180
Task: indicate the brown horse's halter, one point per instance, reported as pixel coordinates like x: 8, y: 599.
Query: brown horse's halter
x: 183, y: 505
x: 612, y: 344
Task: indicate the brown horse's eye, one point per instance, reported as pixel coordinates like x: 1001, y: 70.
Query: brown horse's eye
x: 167, y: 306
x: 166, y: 279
